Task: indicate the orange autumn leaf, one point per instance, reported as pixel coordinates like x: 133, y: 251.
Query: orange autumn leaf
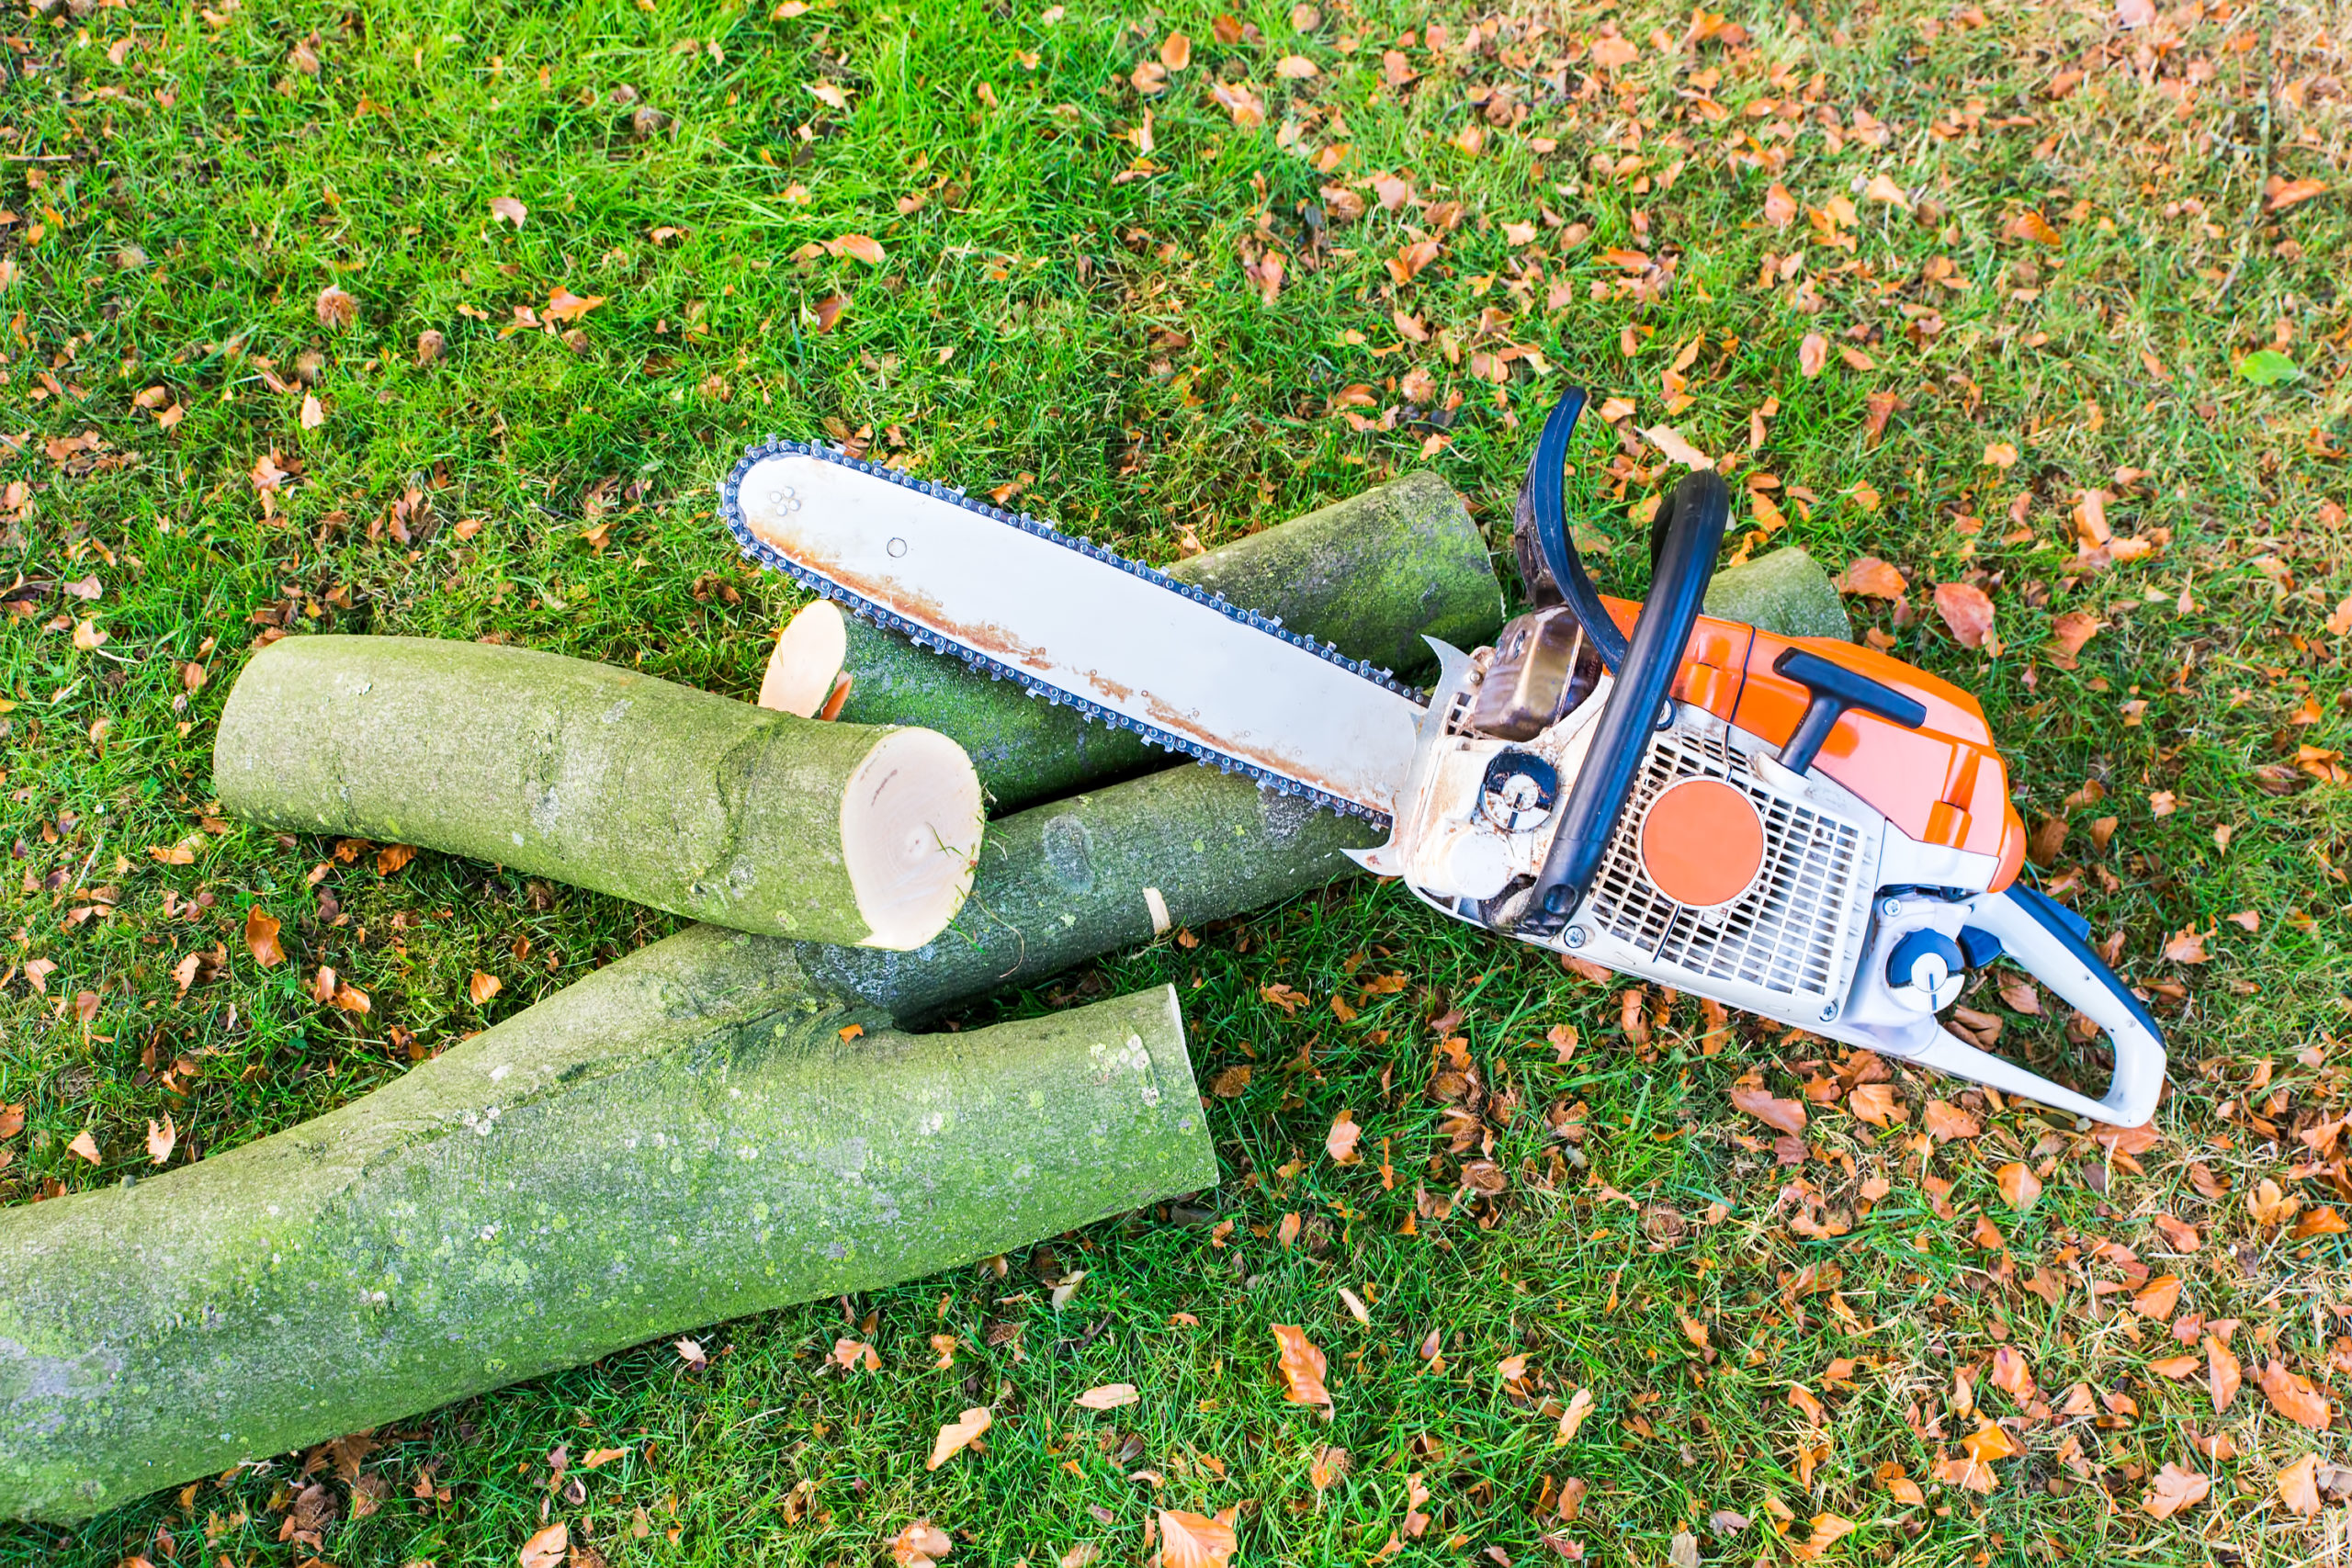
x: 1302, y: 1367
x: 1780, y: 207
x: 1987, y: 1443
x: 392, y: 857
x: 1188, y: 1541
x: 957, y: 1435
x: 2224, y: 1373
x: 921, y: 1545
x: 483, y: 986
x: 1875, y: 1103
x: 1946, y: 1122
x: 1812, y: 355
x: 1784, y: 1115
x: 2174, y: 1367
x: 2012, y: 1374
x: 2174, y: 1490
x: 1339, y: 1142
x: 2019, y: 1187
x: 1868, y: 577
x: 1967, y: 610
x: 261, y: 936
x: 2293, y: 1396
x: 2298, y: 1486
x: 162, y: 1138
x: 1108, y: 1396
x: 2157, y: 1297
x: 546, y: 1549
x: 85, y: 1146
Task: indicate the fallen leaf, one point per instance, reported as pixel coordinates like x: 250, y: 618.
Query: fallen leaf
x: 2280, y: 193
x: 261, y: 936
x: 482, y: 988
x: 546, y: 1549
x: 1871, y: 578
x: 1812, y: 355
x: 1176, y: 51
x: 1188, y: 1541
x: 2298, y: 1486
x: 2174, y: 1367
x: 161, y: 1140
x: 921, y: 1545
x: 1296, y: 68
x: 1882, y: 187
x: 2157, y: 1297
x: 2019, y: 1187
x: 1672, y: 441
x: 598, y: 1458
x: 958, y: 1435
x: 1785, y: 1115
x: 312, y: 415
x: 691, y: 1352
x: 1875, y: 1103
x: 1611, y: 51
x: 2224, y: 1373
x: 2175, y: 1489
x: 2187, y: 946
x: 1302, y: 1367
x: 1780, y: 207
x: 1339, y: 1142
x: 2001, y: 455
x: 857, y: 247
x: 85, y: 1147
x: 1967, y: 610
x: 506, y: 210
x: 1109, y: 1396
x: 2069, y: 632
x: 1827, y: 1528
x: 1579, y: 1407
x: 335, y: 308
x: 1987, y: 1443
x: 2293, y: 1396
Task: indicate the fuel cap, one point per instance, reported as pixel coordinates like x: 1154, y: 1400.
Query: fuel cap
x: 1703, y: 844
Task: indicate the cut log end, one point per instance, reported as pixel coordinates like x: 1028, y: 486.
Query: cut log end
x: 912, y: 820
x: 806, y: 663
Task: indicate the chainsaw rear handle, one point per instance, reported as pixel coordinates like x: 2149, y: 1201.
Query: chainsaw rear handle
x: 2043, y: 938
x: 1693, y: 534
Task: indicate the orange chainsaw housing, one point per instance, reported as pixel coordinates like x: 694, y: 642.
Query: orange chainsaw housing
x: 1941, y: 783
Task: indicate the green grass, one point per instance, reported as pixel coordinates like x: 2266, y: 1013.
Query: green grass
x: 177, y: 211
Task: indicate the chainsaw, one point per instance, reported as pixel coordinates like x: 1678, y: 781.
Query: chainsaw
x: 1799, y: 828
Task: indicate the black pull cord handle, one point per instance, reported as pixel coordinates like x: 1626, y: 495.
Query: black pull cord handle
x: 1694, y: 534
x: 1835, y: 689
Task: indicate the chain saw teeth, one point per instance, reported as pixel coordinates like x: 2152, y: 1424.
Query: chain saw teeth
x: 730, y: 508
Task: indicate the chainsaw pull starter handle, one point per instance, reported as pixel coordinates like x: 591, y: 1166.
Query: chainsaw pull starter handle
x: 1834, y: 689
x: 1694, y: 534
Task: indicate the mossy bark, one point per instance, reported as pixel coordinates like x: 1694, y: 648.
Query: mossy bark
x: 682, y: 1137
x: 607, y: 779
x: 1785, y: 593
x: 1371, y: 573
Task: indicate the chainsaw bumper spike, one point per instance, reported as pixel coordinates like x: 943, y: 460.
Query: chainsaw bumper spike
x: 1802, y: 829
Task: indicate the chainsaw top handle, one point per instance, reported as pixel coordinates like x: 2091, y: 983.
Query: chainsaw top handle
x: 1644, y: 667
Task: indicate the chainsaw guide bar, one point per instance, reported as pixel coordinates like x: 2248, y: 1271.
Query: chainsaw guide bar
x: 1292, y: 714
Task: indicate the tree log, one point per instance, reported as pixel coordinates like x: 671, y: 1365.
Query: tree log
x: 682, y: 1137
x: 607, y: 779
x: 1371, y: 573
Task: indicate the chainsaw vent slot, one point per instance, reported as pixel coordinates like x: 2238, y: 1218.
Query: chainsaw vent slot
x: 1793, y: 932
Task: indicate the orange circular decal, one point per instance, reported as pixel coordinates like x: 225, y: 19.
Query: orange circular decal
x: 1702, y: 843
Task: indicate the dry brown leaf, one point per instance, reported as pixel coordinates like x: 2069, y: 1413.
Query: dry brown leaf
x: 2224, y: 1373
x: 261, y: 936
x: 483, y: 986
x: 2298, y: 1486
x: 1579, y: 1407
x: 1677, y: 447
x: 2012, y: 1374
x: 85, y: 1147
x: 1945, y: 1121
x: 1812, y: 355
x: 1176, y: 51
x: 1987, y: 1443
x: 506, y: 210
x: 1188, y: 1541
x: 2175, y: 1489
x: 1875, y: 1103
x: 2019, y: 1187
x: 921, y: 1545
x: 392, y: 857
x: 2293, y: 1396
x: 1780, y: 207
x: 1108, y: 1396
x: 957, y: 1435
x: 1828, y: 1530
x: 597, y: 1459
x: 2157, y: 1297
x: 1302, y: 1367
x: 2069, y: 632
x: 1784, y: 1115
x: 1871, y: 578
x: 546, y: 1549
x: 857, y: 247
x: 1339, y: 1142
x: 162, y: 1137
x: 335, y: 308
x: 1967, y: 610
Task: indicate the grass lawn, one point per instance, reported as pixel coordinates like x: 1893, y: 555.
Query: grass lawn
x: 442, y: 319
